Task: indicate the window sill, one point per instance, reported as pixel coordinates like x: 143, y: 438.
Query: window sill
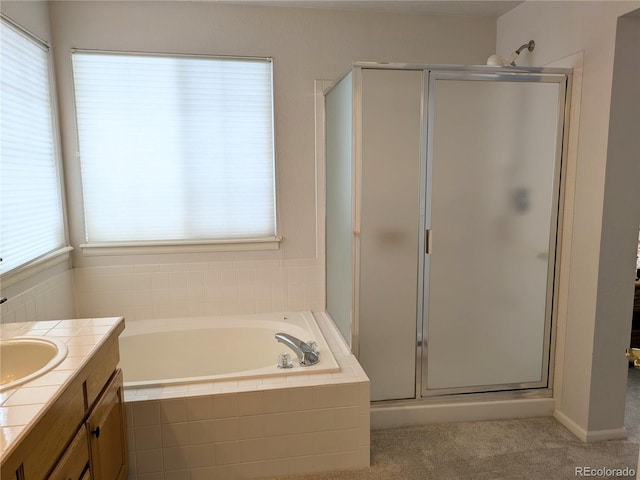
x: 204, y: 246
x: 36, y: 266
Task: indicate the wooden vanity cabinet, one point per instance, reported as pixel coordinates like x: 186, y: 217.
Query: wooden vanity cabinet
x: 82, y: 433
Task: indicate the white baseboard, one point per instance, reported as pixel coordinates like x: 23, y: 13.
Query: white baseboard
x: 589, y: 436
x: 421, y: 414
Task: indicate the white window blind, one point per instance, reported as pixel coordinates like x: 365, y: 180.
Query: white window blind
x: 31, y: 219
x: 175, y: 147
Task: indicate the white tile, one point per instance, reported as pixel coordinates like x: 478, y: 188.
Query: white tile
x: 150, y: 476
x: 287, y: 399
x: 149, y: 461
x: 364, y: 459
x: 264, y: 305
x: 251, y: 427
x: 131, y: 436
x: 263, y: 284
x: 143, y: 298
x: 227, y: 452
x: 178, y: 475
x: 251, y: 450
x: 145, y: 268
x: 213, y: 280
x: 177, y: 280
x: 146, y: 413
x: 148, y: 437
x: 171, y: 267
x: 364, y: 426
x: 51, y: 379
x: 196, y: 267
x: 200, y: 388
x: 300, y: 379
x: 18, y: 415
x: 143, y: 312
x: 288, y: 423
x: 79, y: 350
x: 196, y: 293
x: 175, y: 434
x: 201, y: 455
x: 70, y: 363
x: 206, y: 473
x: 250, y: 403
x: 133, y: 463
x: 201, y: 432
x: 160, y: 281
x: 364, y: 396
x: 178, y: 296
x: 196, y: 309
x: 226, y: 429
x: 225, y: 405
x: 175, y: 458
x: 119, y: 269
x: 195, y: 279
x: 200, y: 408
x: 336, y: 395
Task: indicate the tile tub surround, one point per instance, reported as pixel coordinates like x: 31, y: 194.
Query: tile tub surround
x: 50, y: 299
x: 198, y: 289
x: 252, y: 428
x: 21, y: 407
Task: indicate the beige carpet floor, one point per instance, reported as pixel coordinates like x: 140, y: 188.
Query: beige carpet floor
x: 527, y: 449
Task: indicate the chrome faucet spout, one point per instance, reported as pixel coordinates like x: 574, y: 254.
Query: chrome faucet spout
x: 306, y: 354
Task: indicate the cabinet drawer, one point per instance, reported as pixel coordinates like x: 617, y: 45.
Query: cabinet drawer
x: 75, y: 460
x: 105, y: 364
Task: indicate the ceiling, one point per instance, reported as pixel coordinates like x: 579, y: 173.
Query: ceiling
x: 483, y: 8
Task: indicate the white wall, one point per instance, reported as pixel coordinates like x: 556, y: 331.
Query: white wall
x: 34, y: 16
x: 306, y: 45
x: 49, y: 294
x: 594, y: 320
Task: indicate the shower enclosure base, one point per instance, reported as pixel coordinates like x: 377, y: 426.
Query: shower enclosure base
x: 421, y: 412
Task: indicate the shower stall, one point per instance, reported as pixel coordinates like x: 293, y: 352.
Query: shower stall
x: 443, y: 211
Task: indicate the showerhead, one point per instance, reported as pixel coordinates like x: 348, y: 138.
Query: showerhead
x: 498, y: 61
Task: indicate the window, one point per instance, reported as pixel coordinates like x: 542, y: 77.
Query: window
x: 175, y: 148
x: 31, y: 218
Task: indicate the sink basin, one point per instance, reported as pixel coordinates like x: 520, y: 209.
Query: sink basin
x: 23, y: 359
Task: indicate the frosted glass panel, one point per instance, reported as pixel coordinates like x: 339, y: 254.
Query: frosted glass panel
x: 493, y: 193
x: 390, y: 194
x: 339, y: 230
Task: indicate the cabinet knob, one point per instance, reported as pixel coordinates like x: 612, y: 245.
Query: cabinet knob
x: 96, y: 432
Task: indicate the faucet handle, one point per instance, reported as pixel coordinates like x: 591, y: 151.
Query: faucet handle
x: 284, y: 360
x: 313, y: 345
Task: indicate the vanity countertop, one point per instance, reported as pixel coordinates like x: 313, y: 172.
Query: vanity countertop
x: 23, y: 406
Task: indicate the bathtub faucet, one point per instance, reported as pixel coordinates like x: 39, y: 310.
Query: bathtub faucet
x: 307, y: 354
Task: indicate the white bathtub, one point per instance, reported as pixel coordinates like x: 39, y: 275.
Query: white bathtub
x: 173, y: 351
x: 241, y: 417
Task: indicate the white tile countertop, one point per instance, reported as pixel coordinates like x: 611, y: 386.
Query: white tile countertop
x: 22, y: 406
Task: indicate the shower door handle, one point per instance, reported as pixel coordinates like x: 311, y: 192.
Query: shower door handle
x: 427, y: 241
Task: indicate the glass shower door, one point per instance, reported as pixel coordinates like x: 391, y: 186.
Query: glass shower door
x: 492, y: 193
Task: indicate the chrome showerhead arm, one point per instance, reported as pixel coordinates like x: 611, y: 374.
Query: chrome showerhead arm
x: 529, y: 46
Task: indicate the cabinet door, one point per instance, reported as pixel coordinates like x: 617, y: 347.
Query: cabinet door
x: 107, y: 434
x: 75, y: 460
